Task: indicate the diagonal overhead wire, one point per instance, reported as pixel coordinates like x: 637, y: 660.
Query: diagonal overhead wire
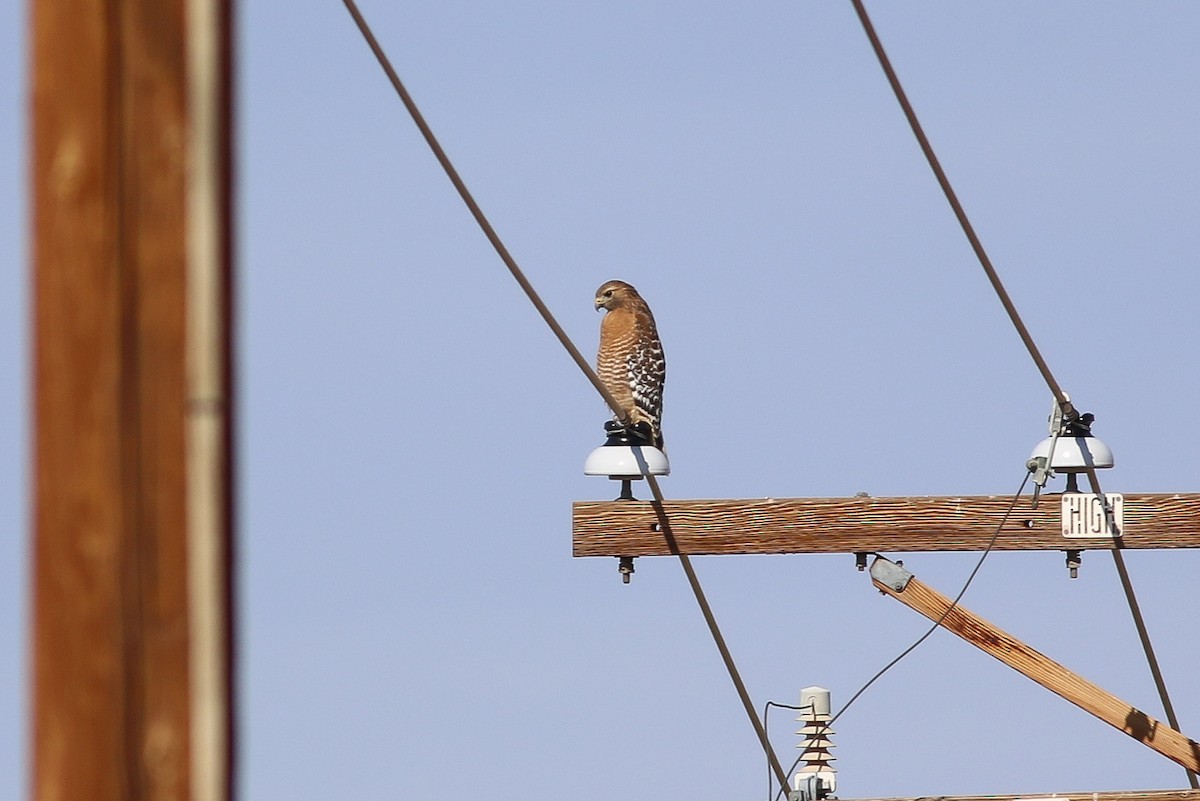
x: 474, y: 208
x: 957, y: 207
x: 1059, y: 396
x: 1140, y: 623
x: 531, y: 293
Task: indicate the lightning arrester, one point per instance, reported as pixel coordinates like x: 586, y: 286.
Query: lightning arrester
x: 817, y: 779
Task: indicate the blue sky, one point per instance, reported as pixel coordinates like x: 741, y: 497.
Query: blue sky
x: 412, y: 624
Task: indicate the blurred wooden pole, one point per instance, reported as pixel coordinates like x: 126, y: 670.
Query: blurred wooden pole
x: 130, y: 181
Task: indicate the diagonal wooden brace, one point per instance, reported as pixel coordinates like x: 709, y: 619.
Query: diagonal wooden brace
x: 893, y: 580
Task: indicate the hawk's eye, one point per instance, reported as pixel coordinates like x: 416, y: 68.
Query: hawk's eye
x: 608, y: 293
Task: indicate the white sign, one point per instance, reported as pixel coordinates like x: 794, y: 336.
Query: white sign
x: 1083, y: 515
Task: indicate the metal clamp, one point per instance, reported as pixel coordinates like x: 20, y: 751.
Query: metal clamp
x: 1061, y: 416
x: 890, y: 574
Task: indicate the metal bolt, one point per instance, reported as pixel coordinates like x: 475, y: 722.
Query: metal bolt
x: 1074, y: 558
x: 625, y: 567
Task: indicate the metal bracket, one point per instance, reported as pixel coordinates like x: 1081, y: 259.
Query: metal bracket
x: 890, y: 574
x: 1040, y: 467
x: 1060, y: 417
x: 812, y: 788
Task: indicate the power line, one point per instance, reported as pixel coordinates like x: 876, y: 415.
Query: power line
x: 1139, y: 623
x: 475, y: 210
x: 686, y: 563
x: 957, y: 207
x: 531, y: 293
x: 1059, y: 396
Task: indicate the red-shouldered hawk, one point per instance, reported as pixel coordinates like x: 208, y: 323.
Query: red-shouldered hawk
x: 631, y: 362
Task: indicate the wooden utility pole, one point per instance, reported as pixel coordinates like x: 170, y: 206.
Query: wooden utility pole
x: 130, y: 183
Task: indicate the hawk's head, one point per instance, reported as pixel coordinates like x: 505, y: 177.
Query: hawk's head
x: 615, y: 294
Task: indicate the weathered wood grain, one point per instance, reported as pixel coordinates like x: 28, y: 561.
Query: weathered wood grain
x: 1045, y: 671
x: 850, y: 525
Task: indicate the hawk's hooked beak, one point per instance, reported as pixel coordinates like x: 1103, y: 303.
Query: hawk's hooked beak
x: 599, y: 304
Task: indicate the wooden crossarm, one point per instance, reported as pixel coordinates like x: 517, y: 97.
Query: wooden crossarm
x: 850, y: 525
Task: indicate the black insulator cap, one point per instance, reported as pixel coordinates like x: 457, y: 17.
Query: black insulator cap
x: 618, y: 434
x: 1081, y: 426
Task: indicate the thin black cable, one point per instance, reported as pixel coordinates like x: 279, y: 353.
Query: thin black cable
x: 566, y: 342
x: 1059, y: 396
x: 767, y: 725
x: 936, y: 625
